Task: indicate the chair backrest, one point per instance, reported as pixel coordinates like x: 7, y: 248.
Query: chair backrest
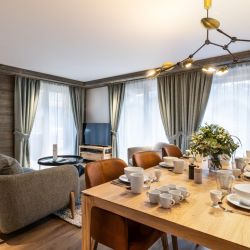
x: 171, y: 150
x: 146, y: 159
x: 133, y: 150
x: 99, y: 172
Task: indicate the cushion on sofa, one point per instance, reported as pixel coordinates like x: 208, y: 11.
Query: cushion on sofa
x: 9, y: 165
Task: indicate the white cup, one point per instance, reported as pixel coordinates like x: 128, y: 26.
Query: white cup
x: 163, y: 189
x: 136, y: 181
x: 166, y: 200
x: 177, y: 196
x: 129, y: 170
x: 171, y: 186
x: 215, y: 196
x: 169, y: 160
x: 154, y: 196
x: 179, y: 166
x: 158, y: 174
x: 224, y: 179
x: 184, y: 192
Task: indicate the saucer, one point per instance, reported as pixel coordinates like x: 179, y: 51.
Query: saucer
x: 165, y: 165
x: 234, y: 199
x: 246, y: 174
x: 124, y: 178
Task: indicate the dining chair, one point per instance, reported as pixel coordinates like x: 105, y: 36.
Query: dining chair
x: 111, y: 229
x: 146, y: 159
x: 171, y: 150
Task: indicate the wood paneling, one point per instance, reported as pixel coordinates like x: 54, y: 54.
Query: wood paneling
x: 6, y: 115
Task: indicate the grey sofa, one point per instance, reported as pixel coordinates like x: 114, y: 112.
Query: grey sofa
x: 27, y: 197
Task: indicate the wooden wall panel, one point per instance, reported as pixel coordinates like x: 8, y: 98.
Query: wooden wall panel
x: 6, y: 115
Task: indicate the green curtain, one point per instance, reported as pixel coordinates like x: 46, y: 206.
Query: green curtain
x: 183, y: 99
x: 77, y: 96
x: 116, y: 98
x: 26, y: 100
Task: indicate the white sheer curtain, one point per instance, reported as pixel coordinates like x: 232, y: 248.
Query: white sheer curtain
x: 140, y: 123
x: 54, y: 123
x: 229, y: 104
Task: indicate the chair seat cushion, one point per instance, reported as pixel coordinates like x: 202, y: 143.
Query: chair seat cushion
x: 9, y: 165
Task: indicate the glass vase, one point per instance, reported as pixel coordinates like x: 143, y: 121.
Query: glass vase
x: 214, y: 163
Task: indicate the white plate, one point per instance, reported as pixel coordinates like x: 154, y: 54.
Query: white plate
x: 165, y: 165
x: 124, y: 178
x: 234, y: 199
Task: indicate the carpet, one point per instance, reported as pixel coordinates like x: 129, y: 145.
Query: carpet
x: 65, y: 214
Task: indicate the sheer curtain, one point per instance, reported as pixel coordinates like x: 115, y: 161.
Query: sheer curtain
x: 229, y: 104
x: 54, y: 123
x: 140, y: 122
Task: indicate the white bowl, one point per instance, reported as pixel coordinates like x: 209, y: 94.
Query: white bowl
x: 129, y: 170
x: 169, y: 160
x: 242, y: 190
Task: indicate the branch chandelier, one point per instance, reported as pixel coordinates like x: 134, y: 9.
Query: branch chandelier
x: 209, y: 24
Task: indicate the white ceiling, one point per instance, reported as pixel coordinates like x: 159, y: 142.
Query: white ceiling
x: 92, y: 39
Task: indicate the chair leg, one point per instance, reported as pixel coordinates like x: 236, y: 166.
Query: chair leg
x: 174, y: 242
x: 72, y: 204
x: 164, y: 241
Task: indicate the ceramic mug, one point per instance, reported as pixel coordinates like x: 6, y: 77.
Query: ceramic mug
x: 154, y: 196
x: 184, y: 192
x: 177, y: 196
x: 163, y: 189
x: 166, y: 200
x: 240, y: 163
x: 216, y: 196
x: 179, y: 166
x: 171, y: 186
x: 136, y: 181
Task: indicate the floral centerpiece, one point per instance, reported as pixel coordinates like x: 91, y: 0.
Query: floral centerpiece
x: 213, y: 140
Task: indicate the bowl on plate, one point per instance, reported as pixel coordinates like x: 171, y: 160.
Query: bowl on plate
x: 169, y: 160
x: 242, y: 190
x: 129, y: 170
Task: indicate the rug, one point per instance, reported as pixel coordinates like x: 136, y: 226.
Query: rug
x: 65, y: 214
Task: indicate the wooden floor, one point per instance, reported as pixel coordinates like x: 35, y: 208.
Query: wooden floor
x: 52, y: 233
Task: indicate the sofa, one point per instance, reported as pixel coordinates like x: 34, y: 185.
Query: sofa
x: 27, y: 197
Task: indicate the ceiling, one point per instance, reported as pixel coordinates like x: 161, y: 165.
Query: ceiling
x: 91, y: 39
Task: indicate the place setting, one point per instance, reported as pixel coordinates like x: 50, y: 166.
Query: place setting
x: 236, y: 196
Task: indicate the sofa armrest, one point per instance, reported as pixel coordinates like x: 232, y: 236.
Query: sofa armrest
x: 25, y: 198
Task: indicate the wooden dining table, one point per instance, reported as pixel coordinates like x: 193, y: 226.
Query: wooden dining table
x: 193, y: 219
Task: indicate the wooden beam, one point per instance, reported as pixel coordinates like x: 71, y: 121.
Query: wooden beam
x: 10, y: 70
x: 245, y: 55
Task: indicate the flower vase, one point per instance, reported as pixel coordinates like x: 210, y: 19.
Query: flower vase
x: 214, y: 163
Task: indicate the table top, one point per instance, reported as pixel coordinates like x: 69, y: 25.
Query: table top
x: 61, y: 160
x: 194, y: 216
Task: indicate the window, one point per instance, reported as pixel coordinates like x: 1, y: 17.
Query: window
x: 140, y: 122
x: 54, y: 123
x: 229, y: 104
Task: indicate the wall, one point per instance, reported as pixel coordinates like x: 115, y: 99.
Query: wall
x: 97, y: 105
x: 6, y: 115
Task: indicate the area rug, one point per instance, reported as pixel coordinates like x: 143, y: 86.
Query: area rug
x: 65, y: 214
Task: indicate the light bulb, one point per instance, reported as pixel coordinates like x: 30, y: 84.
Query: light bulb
x: 151, y: 73
x: 222, y: 71
x: 208, y: 69
x: 187, y: 63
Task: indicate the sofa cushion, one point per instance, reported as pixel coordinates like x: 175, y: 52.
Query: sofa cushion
x: 9, y: 165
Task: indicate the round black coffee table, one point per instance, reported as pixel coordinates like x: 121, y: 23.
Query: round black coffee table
x: 61, y: 160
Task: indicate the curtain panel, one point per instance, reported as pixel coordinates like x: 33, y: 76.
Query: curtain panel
x: 26, y: 100
x: 77, y: 96
x: 183, y: 99
x: 116, y: 98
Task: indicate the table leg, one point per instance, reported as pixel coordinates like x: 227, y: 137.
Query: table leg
x: 86, y: 222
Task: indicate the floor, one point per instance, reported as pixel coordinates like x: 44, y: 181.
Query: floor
x: 52, y: 233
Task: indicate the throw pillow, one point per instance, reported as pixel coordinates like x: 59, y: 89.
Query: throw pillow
x: 9, y: 165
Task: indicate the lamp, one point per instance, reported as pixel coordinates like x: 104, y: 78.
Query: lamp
x: 209, y: 24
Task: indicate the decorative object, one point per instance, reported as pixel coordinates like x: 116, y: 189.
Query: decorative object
x: 209, y: 24
x: 213, y: 140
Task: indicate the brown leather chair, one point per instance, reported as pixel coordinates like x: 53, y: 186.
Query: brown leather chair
x: 111, y: 229
x: 171, y: 150
x: 146, y: 159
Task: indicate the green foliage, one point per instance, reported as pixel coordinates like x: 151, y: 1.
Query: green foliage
x: 212, y: 140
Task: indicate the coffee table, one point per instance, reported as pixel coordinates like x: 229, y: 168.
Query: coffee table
x: 61, y: 160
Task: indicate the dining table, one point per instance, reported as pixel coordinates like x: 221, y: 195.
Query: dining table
x: 194, y: 219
